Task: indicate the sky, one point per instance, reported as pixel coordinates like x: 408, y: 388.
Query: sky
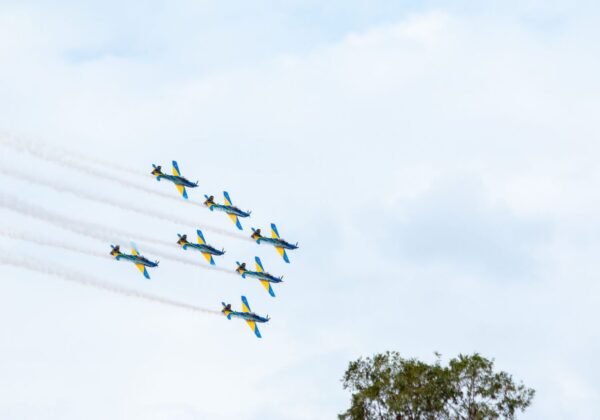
x: 436, y: 161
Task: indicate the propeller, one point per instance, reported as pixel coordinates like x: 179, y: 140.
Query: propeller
x: 116, y: 250
x: 209, y: 200
x: 241, y: 267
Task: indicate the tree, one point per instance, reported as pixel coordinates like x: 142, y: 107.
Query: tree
x: 386, y: 386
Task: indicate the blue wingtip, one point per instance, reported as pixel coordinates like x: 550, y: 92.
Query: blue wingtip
x: 238, y: 224
x: 257, y: 332
x: 271, y: 292
x: 285, y: 257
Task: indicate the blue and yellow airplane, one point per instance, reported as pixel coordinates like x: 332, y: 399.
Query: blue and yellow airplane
x: 247, y: 315
x: 207, y: 250
x: 275, y: 240
x: 265, y: 278
x: 136, y: 258
x: 179, y: 181
x: 233, y: 212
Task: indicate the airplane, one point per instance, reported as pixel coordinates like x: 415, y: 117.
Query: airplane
x: 233, y: 212
x: 179, y: 181
x: 275, y: 240
x: 265, y: 278
x: 250, y: 317
x: 207, y: 250
x: 136, y: 258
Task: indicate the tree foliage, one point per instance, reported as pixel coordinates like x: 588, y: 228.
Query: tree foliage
x: 386, y: 386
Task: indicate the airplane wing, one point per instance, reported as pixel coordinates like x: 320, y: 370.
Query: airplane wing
x: 235, y: 220
x: 274, y: 232
x: 254, y: 328
x: 251, y: 324
x: 134, y: 249
x: 227, y: 199
x: 259, y: 266
x: 176, y: 169
x: 268, y: 287
x: 143, y: 270
x: 201, y: 239
x: 283, y: 254
x: 182, y: 190
x: 245, y: 305
x: 209, y: 258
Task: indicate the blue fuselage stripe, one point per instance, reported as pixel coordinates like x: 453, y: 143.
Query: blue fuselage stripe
x: 203, y: 248
x: 263, y: 276
x: 230, y: 210
x: 177, y: 180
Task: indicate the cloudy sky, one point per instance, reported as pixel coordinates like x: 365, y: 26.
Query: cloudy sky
x: 436, y: 161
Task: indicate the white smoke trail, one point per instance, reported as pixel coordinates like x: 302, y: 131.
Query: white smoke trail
x: 87, y: 280
x: 83, y: 228
x: 98, y: 232
x: 52, y: 156
x: 93, y: 196
x: 31, y: 144
x: 34, y: 239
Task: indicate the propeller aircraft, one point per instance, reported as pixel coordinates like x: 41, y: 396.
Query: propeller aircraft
x: 247, y: 315
x: 280, y: 244
x: 179, y: 181
x: 265, y: 278
x: 135, y: 257
x: 207, y: 250
x: 233, y: 212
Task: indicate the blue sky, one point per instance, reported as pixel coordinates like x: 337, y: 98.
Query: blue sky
x: 435, y: 160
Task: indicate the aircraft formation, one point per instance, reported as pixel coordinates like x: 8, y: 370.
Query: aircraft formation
x: 209, y: 252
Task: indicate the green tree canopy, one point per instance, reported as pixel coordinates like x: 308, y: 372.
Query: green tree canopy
x: 386, y: 386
